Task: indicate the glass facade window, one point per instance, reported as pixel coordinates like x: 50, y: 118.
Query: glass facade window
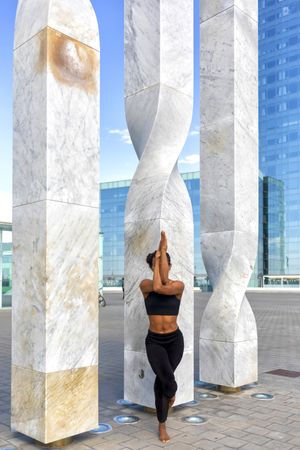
x: 6, y: 264
x: 279, y: 133
x: 273, y: 226
x: 113, y: 201
x: 112, y: 214
x: 256, y: 279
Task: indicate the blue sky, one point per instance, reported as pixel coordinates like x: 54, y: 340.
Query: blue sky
x: 117, y: 156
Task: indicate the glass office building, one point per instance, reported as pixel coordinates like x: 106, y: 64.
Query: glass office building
x: 113, y: 201
x: 279, y: 132
x: 5, y: 263
x: 273, y: 227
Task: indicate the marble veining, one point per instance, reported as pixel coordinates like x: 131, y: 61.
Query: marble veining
x: 58, y: 288
x: 48, y: 162
x: 156, y: 26
x: 229, y: 188
x: 234, y: 363
x: 74, y: 18
x: 158, y: 105
x: 56, y: 219
x: 52, y: 406
x: 209, y: 8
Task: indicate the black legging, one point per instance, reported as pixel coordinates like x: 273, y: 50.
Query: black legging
x: 164, y: 351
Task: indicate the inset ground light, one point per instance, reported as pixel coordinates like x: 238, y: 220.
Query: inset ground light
x: 262, y: 396
x: 102, y: 428
x: 126, y: 419
x: 207, y: 396
x: 195, y: 420
x: 186, y: 405
x: 123, y: 402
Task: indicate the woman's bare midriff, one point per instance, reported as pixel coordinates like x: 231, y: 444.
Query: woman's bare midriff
x: 163, y: 324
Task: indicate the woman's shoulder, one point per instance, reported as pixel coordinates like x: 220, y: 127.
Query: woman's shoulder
x: 146, y: 282
x: 177, y: 282
x: 146, y: 286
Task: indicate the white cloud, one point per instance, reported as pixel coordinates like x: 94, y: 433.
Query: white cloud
x: 5, y: 207
x: 190, y: 159
x: 194, y: 132
x: 124, y: 135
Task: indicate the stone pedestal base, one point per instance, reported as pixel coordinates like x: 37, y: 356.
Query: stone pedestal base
x: 229, y: 390
x: 228, y: 364
x: 56, y: 444
x: 149, y: 410
x: 50, y: 407
x: 139, y: 379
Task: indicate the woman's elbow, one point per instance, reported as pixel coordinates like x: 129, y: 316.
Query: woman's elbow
x: 157, y: 288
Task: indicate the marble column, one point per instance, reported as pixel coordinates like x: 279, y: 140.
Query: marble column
x: 229, y: 187
x: 55, y: 219
x: 159, y: 103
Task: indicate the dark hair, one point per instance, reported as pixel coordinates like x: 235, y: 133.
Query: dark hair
x: 150, y: 257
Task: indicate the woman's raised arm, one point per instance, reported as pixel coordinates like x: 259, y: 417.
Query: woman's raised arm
x: 164, y: 264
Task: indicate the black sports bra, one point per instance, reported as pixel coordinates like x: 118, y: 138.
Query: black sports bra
x: 161, y: 304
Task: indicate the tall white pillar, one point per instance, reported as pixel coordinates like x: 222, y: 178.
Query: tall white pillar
x: 229, y: 187
x: 55, y: 219
x: 159, y: 103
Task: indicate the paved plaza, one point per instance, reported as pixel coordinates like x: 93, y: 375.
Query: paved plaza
x: 233, y: 420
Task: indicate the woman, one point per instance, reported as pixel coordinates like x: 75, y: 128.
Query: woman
x: 164, y: 341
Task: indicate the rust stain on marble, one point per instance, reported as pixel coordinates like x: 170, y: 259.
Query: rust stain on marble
x: 70, y: 61
x: 52, y: 406
x: 72, y: 402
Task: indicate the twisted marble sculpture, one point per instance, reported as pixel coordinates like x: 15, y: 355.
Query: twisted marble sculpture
x: 229, y: 188
x: 55, y: 219
x: 159, y: 103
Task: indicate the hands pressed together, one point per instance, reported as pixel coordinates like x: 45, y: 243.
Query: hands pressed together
x: 163, y: 245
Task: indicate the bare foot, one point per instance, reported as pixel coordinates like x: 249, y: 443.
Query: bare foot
x: 171, y: 401
x: 163, y: 435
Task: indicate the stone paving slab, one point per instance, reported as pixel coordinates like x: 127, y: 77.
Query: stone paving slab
x: 233, y: 420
